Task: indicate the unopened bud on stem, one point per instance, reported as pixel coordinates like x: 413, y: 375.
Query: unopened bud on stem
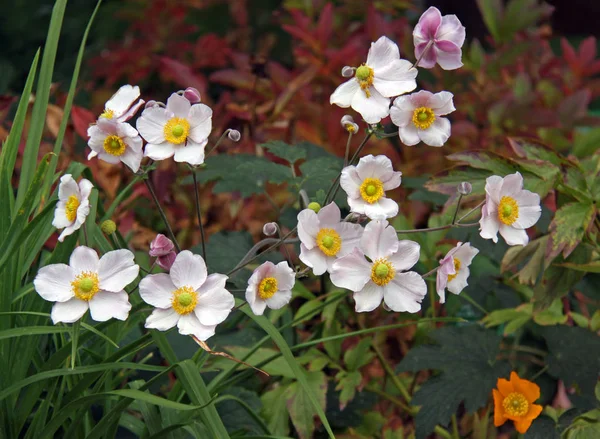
x: 347, y: 72
x: 464, y: 188
x: 270, y: 229
x: 108, y: 227
x: 314, y: 206
x: 234, y: 135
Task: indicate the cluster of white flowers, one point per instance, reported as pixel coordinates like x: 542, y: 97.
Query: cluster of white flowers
x: 370, y: 261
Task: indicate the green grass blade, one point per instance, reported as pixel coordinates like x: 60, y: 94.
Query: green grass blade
x: 38, y: 115
x: 32, y: 330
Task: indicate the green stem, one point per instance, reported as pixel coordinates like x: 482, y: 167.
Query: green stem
x: 199, y: 214
x: 163, y: 215
x: 455, y: 434
x: 74, y: 340
x: 347, y: 149
x: 217, y: 144
x: 435, y: 229
x: 390, y: 372
x: 457, y: 207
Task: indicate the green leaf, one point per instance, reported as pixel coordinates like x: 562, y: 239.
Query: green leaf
x: 586, y: 426
x: 347, y: 385
x: 284, y: 151
x: 513, y: 319
x: 592, y: 267
x: 553, y: 315
x: 535, y: 251
x: 491, y: 11
x: 359, y: 355
x: 319, y: 173
x: 239, y: 410
x: 467, y: 358
x: 570, y: 223
x: 33, y: 330
x: 276, y: 411
x: 299, y: 400
x: 587, y: 141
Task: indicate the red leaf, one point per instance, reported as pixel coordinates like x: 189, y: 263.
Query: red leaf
x: 325, y: 25
x: 181, y: 74
x: 82, y: 119
x: 569, y: 53
x: 587, y: 50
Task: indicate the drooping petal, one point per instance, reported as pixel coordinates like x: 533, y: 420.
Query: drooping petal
x: 351, y: 272
x: 459, y: 283
x: 448, y: 55
x: 382, y: 53
x: 428, y: 58
x: 308, y: 227
x: 437, y: 134
x: 192, y: 153
x: 513, y: 236
x: 405, y: 292
x: 379, y: 240
x: 285, y: 275
x: 314, y: 258
x: 372, y: 108
x: 406, y: 256
x: 329, y: 216
x: 188, y: 270
x: 442, y: 103
x: 428, y: 25
x: 258, y: 306
x: 67, y: 187
x: 53, y: 282
x: 343, y: 95
x: 279, y: 299
x: 451, y: 29
x: 69, y: 230
x: 178, y: 105
x: 132, y: 157
x: 350, y: 234
x: 368, y: 298
x: 116, y: 270
x: 214, y: 301
x: 69, y: 311
x: 441, y: 280
x: 157, y: 290
x: 84, y: 259
x: 120, y: 102
x: 396, y: 78
x: 151, y: 124
x: 107, y: 305
x: 162, y: 319
x: 190, y: 325
x: 160, y: 151
x: 381, y: 209
x: 488, y: 227
x: 409, y: 135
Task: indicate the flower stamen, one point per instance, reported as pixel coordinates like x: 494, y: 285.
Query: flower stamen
x: 107, y: 114
x: 71, y: 208
x: 515, y: 404
x: 85, y: 285
x: 423, y: 117
x: 329, y: 241
x: 267, y: 288
x: 456, y: 269
x: 382, y: 272
x: 508, y: 210
x: 364, y: 76
x: 184, y: 300
x: 114, y: 145
x: 371, y: 190
x: 176, y: 130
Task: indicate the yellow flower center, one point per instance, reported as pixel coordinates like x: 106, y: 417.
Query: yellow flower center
x: 176, y: 130
x: 107, y: 114
x: 267, y: 288
x: 508, y: 210
x: 371, y: 190
x: 382, y: 272
x: 351, y: 128
x: 85, y: 285
x: 184, y: 300
x: 364, y: 75
x: 71, y: 208
x: 329, y: 241
x: 515, y: 404
x: 423, y: 117
x: 114, y: 145
x: 456, y: 268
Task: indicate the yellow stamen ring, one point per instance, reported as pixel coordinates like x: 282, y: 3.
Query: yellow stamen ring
x: 85, y: 285
x: 267, y: 288
x: 114, y: 145
x: 329, y: 241
x: 184, y: 300
x: 108, y: 114
x: 364, y: 76
x: 71, y: 208
x: 423, y: 117
x: 508, y: 210
x: 515, y: 404
x: 371, y: 190
x: 456, y: 268
x: 382, y: 271
x: 176, y: 130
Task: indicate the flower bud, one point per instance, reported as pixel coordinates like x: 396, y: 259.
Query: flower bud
x: 270, y: 229
x: 166, y: 261
x: 234, y: 135
x: 464, y: 188
x: 348, y: 124
x: 347, y: 72
x: 161, y: 246
x: 150, y: 104
x: 192, y: 95
x: 108, y: 227
x: 314, y: 206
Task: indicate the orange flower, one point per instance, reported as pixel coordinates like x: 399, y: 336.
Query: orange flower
x: 514, y: 400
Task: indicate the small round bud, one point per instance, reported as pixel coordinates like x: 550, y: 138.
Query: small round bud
x: 314, y: 206
x: 348, y: 124
x: 270, y: 229
x: 347, y: 71
x: 108, y: 227
x: 464, y: 188
x: 234, y: 135
x: 150, y: 104
x: 192, y: 95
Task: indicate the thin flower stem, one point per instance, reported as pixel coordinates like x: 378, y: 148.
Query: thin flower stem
x: 285, y: 249
x: 430, y: 272
x: 390, y: 398
x: 85, y: 236
x: 217, y: 144
x: 469, y: 299
x: 386, y: 135
x: 429, y: 44
x: 544, y: 369
x: 199, y: 214
x: 346, y: 155
x: 471, y: 211
x: 457, y: 207
x: 455, y: 434
x: 388, y: 370
x: 435, y: 229
x: 163, y: 215
x: 432, y: 293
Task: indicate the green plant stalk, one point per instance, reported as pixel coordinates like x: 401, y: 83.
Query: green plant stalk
x: 199, y: 214
x: 163, y: 215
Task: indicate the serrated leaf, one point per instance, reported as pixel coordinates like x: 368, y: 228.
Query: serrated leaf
x: 299, y: 406
x: 553, y: 315
x: 275, y: 410
x: 284, y: 151
x: 359, y: 355
x: 534, y: 251
x: 347, y: 385
x: 570, y: 223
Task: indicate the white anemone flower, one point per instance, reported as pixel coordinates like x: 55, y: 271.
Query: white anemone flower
x: 88, y: 283
x: 417, y: 117
x: 73, y: 205
x: 270, y: 285
x: 454, y: 270
x: 115, y: 142
x: 383, y: 76
x: 187, y: 297
x: 324, y: 237
x: 122, y: 105
x: 508, y: 209
x: 366, y: 183
x: 384, y: 275
x: 180, y: 130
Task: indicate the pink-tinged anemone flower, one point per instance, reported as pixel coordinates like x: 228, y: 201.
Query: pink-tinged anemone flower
x: 73, y: 205
x: 162, y: 248
x: 115, y: 142
x: 325, y: 238
x: 88, y: 283
x: 187, y: 298
x: 122, y: 106
x: 384, y: 276
x: 454, y: 270
x: 366, y: 184
x: 508, y: 209
x: 180, y: 130
x: 418, y: 117
x: 270, y: 286
x: 383, y: 76
x: 441, y: 38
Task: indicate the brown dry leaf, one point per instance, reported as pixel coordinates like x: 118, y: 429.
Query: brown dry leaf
x: 54, y: 117
x: 205, y: 347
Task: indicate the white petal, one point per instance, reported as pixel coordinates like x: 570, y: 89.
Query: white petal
x: 314, y: 258
x: 60, y: 220
x: 69, y: 311
x: 67, y: 187
x: 370, y: 166
x: 511, y: 185
x: 53, y: 282
x: 108, y: 158
x: 381, y: 209
x: 157, y: 290
x: 286, y: 277
x: 192, y: 153
x: 329, y: 216
x: 382, y: 53
x: 379, y: 240
x: 190, y: 325
x: 513, y: 236
x: 441, y: 103
x: 396, y: 78
x: 409, y: 135
x: 162, y: 319
x: 133, y: 158
x: 405, y: 292
x: 151, y: 124
x: 448, y: 60
x: 406, y: 256
x: 440, y: 284
x: 459, y: 283
x: 343, y: 95
x: 279, y: 299
x: 200, y: 119
x: 368, y: 298
x: 465, y: 253
x: 188, y: 270
x: 437, y: 134
x: 107, y: 305
x: 451, y: 29
x: 402, y: 111
x: 85, y: 189
x: 258, y: 306
x: 350, y: 181
x: 116, y: 270
x: 488, y: 226
x: 214, y: 301
x: 372, y: 108
x: 350, y: 234
x: 69, y: 230
x: 391, y: 180
x: 179, y: 106
x: 308, y: 227
x: 159, y: 151
x: 120, y: 102
x: 351, y: 272
x: 84, y: 259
